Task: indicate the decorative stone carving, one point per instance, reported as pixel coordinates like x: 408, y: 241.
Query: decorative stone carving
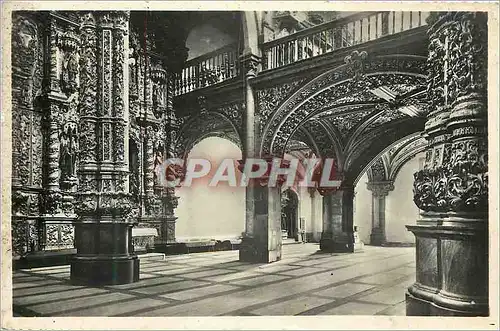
x: 333, y: 86
x: 378, y: 171
x: 456, y: 173
x: 356, y: 63
x: 459, y: 185
x: 321, y: 137
x: 380, y: 188
x: 251, y: 64
x: 69, y: 149
x: 346, y: 123
x: 202, y: 103
x: 68, y: 42
x: 467, y: 53
x: 269, y: 99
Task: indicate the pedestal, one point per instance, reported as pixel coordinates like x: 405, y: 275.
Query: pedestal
x: 452, y: 267
x: 338, y: 231
x: 105, y: 256
x: 377, y: 237
x: 262, y: 241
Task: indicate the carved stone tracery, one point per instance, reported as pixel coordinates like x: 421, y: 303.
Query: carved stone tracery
x: 334, y: 85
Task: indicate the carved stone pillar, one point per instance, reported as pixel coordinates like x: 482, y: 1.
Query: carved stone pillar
x: 259, y: 201
x: 60, y: 96
x: 338, y: 230
x: 380, y: 190
x: 452, y: 189
x: 103, y: 229
x: 262, y: 240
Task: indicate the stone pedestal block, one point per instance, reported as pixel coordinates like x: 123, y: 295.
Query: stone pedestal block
x: 105, y: 254
x: 452, y: 268
x: 262, y: 241
x: 377, y: 237
x: 338, y: 231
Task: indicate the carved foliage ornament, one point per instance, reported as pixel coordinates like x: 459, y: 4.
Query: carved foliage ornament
x: 459, y: 185
x: 276, y: 134
x: 468, y: 55
x: 457, y: 56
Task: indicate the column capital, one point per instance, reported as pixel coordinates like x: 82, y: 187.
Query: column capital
x: 380, y: 189
x: 250, y: 63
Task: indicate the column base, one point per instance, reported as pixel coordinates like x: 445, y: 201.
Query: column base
x: 377, y: 237
x: 254, y: 250
x: 344, y: 243
x: 104, y: 270
x: 423, y: 307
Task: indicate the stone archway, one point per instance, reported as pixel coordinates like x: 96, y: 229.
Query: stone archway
x: 206, y: 124
x: 359, y: 82
x: 357, y: 110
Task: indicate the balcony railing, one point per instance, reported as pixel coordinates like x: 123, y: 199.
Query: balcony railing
x: 209, y: 69
x: 344, y: 32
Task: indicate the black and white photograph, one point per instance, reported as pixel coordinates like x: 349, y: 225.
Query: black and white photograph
x: 249, y: 162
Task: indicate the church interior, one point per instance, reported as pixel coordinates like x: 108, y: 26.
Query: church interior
x: 101, y: 98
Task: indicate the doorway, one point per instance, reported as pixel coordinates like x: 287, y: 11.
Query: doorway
x: 289, y: 214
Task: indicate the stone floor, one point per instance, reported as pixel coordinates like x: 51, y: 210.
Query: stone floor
x: 305, y: 282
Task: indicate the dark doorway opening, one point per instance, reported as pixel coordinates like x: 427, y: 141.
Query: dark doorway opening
x: 289, y: 214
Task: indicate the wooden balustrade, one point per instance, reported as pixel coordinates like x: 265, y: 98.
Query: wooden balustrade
x: 344, y: 32
x: 209, y: 69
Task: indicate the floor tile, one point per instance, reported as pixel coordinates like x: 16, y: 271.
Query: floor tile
x: 355, y: 308
x: 381, y: 278
x: 58, y: 298
x: 344, y: 290
x: 199, y: 292
x: 76, y: 304
x: 114, y: 309
x: 259, y: 280
x: 291, y: 307
x: 212, y: 284
x: 388, y: 296
x: 169, y: 287
x: 207, y: 273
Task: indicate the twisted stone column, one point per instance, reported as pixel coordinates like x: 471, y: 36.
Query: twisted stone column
x: 103, y: 229
x: 452, y: 189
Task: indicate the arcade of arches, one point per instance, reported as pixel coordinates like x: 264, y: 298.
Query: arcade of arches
x: 398, y: 99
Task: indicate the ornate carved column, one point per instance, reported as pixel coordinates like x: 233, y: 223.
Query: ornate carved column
x: 103, y: 229
x: 60, y: 96
x: 380, y: 190
x: 452, y: 189
x: 27, y: 132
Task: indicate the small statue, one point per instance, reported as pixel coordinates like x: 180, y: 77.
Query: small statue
x: 69, y: 150
x: 70, y: 73
x: 157, y: 165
